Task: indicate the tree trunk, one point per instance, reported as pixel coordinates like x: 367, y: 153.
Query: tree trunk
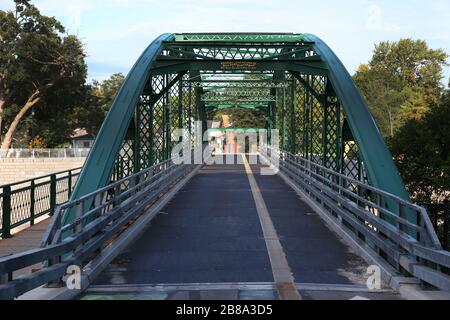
x: 2, y: 101
x: 7, y: 141
x: 391, y: 122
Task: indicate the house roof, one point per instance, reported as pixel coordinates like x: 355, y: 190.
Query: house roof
x: 79, y: 134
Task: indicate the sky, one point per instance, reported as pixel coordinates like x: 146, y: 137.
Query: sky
x: 115, y: 32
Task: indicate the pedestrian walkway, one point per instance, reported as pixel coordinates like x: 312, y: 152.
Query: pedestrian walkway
x: 27, y: 239
x: 226, y: 227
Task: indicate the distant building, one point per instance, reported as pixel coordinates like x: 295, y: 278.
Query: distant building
x: 214, y: 124
x: 223, y: 141
x: 81, y: 139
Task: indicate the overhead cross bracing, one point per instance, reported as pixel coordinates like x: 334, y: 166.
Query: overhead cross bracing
x: 304, y: 90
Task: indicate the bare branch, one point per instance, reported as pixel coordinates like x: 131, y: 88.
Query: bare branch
x: 32, y: 101
x: 51, y: 63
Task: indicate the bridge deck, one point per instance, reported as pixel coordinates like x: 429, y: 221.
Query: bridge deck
x: 211, y: 234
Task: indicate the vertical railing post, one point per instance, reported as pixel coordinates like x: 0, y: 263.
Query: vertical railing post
x: 58, y: 283
x: 6, y: 212
x: 433, y: 213
x: 4, y: 279
x: 52, y: 194
x: 401, y: 214
x: 69, y: 185
x: 32, y: 202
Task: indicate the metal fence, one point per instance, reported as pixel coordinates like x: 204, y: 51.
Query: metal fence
x: 98, y: 218
x: 398, y: 231
x: 25, y: 201
x: 43, y: 153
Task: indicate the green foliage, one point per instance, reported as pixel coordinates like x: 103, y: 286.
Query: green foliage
x: 401, y: 81
x: 100, y: 98
x: 89, y: 114
x: 402, y: 85
x: 38, y: 60
x: 107, y: 90
x: 41, y: 68
x: 422, y: 152
x: 413, y: 63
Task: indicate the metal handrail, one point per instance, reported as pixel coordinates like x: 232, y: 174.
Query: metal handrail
x: 25, y: 201
x: 421, y: 212
x: 120, y: 189
x: 12, y: 184
x: 377, y: 218
x: 100, y: 217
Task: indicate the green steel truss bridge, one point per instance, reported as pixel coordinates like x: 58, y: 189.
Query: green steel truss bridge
x: 137, y: 223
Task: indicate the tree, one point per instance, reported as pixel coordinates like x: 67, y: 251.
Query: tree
x: 39, y: 66
x: 107, y: 90
x: 384, y: 94
x: 422, y: 151
x: 91, y: 115
x: 414, y: 63
x: 401, y: 81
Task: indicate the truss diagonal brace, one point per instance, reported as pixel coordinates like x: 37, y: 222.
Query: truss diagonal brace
x: 318, y: 96
x: 156, y: 97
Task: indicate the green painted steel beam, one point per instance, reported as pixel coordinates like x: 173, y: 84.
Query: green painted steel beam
x: 239, y: 85
x: 154, y: 98
x: 240, y: 37
x: 161, y: 68
x: 378, y: 161
x: 318, y: 96
x: 235, y: 129
x: 313, y: 67
x: 255, y: 52
x: 235, y: 106
x: 235, y: 77
x: 236, y: 92
x: 241, y: 100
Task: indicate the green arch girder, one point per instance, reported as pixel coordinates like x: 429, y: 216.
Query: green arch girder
x: 100, y: 161
x: 378, y: 161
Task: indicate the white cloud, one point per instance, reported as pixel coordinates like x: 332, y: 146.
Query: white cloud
x: 117, y: 31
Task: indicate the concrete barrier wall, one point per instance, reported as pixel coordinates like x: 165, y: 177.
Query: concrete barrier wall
x: 13, y: 170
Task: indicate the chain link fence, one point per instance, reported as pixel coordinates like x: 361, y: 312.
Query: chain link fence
x: 43, y: 153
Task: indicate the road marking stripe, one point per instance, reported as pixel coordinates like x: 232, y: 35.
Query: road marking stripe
x: 282, y: 274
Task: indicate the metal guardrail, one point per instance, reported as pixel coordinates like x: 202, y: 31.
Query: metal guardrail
x: 376, y: 218
x: 100, y: 217
x: 24, y: 201
x: 43, y: 153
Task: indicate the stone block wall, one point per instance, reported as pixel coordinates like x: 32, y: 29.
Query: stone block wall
x: 14, y: 170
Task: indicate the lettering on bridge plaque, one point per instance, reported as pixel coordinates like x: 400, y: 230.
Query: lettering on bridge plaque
x: 238, y: 65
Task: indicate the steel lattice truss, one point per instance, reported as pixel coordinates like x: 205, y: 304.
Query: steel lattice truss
x: 183, y: 78
x: 243, y: 71
x: 238, y: 84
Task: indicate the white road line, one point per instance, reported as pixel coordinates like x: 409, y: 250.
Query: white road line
x: 282, y: 273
